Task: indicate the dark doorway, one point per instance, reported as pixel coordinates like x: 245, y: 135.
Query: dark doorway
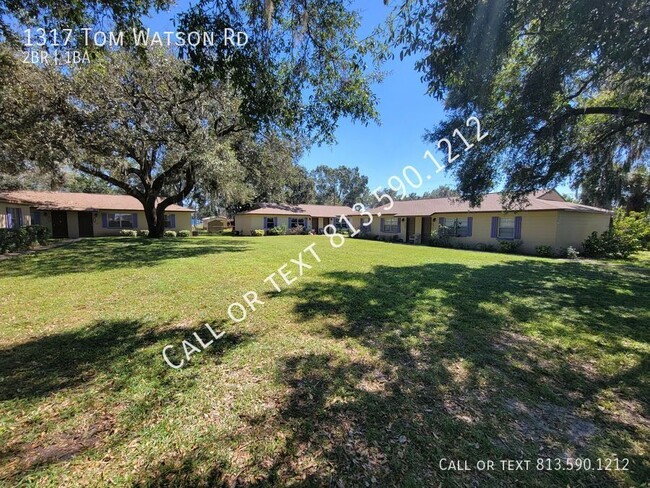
x: 85, y: 224
x: 59, y: 224
x: 314, y: 224
x: 426, y: 229
x: 410, y: 227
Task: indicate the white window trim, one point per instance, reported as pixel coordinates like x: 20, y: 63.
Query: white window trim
x: 388, y: 228
x: 499, y: 236
x: 119, y: 220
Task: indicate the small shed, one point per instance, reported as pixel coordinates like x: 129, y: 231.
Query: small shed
x: 216, y: 224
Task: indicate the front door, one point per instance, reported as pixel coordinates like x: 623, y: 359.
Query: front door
x: 426, y: 229
x: 59, y: 224
x: 314, y: 224
x: 410, y: 227
x: 85, y: 224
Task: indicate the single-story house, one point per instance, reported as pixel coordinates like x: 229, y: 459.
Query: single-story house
x: 268, y: 216
x: 82, y: 214
x: 216, y: 223
x: 547, y: 219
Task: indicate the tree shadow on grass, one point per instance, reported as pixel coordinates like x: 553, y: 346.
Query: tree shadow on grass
x: 466, y: 364
x: 110, y: 253
x: 107, y: 356
x: 445, y: 361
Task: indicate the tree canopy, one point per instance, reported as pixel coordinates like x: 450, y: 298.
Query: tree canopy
x: 339, y: 186
x: 561, y: 86
x: 162, y: 128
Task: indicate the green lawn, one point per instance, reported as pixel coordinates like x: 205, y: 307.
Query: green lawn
x: 378, y: 362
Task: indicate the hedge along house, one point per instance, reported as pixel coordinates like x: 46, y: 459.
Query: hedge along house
x: 309, y: 217
x: 82, y: 214
x: 547, y: 219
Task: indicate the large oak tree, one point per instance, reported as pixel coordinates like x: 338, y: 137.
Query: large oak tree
x: 561, y: 85
x: 154, y: 127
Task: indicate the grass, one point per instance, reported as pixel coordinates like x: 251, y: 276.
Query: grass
x: 376, y: 363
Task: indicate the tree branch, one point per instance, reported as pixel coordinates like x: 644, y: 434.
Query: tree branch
x: 113, y: 181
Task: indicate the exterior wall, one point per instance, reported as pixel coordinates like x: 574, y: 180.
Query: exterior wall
x: 27, y: 220
x: 574, y: 227
x: 183, y: 222
x: 245, y: 224
x: 375, y: 229
x: 216, y: 225
x: 537, y: 228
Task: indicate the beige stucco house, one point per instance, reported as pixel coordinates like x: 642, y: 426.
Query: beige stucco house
x: 315, y: 217
x: 82, y: 214
x: 547, y: 219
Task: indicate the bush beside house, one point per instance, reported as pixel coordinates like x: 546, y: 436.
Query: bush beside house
x: 23, y: 238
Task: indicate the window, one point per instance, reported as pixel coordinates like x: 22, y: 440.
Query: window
x: 506, y: 228
x: 461, y: 227
x: 119, y: 221
x: 269, y: 223
x: 170, y: 221
x: 390, y: 225
x: 14, y: 218
x: 296, y: 222
x: 36, y: 217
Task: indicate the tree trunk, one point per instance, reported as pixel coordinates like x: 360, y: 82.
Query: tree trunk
x: 155, y: 218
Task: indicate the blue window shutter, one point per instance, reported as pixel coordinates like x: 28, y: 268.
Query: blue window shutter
x: 135, y: 220
x: 264, y: 222
x: 9, y: 219
x: 104, y: 220
x: 469, y: 226
x: 517, y: 227
x: 20, y: 217
x: 381, y: 228
x: 495, y: 226
x: 442, y: 221
x: 172, y: 220
x: 275, y: 221
x: 399, y: 225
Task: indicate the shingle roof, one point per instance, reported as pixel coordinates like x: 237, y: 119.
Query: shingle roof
x: 50, y: 200
x: 408, y: 208
x: 491, y: 203
x: 301, y: 210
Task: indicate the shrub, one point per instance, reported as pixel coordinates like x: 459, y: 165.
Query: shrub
x: 277, y: 231
x: 170, y: 233
x: 481, y: 246
x: 129, y: 232
x: 5, y: 240
x: 183, y: 233
x: 610, y: 244
x: 544, y: 251
x: 298, y: 230
x: 441, y: 237
x: 23, y: 238
x: 195, y: 232
x: 571, y: 253
x: 509, y: 247
x: 633, y: 228
x: 38, y: 233
x: 461, y: 245
x: 143, y: 233
x: 257, y: 232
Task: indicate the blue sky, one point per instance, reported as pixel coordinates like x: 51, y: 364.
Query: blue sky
x: 379, y: 150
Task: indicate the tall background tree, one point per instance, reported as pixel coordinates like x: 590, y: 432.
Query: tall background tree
x: 339, y: 186
x: 561, y: 86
